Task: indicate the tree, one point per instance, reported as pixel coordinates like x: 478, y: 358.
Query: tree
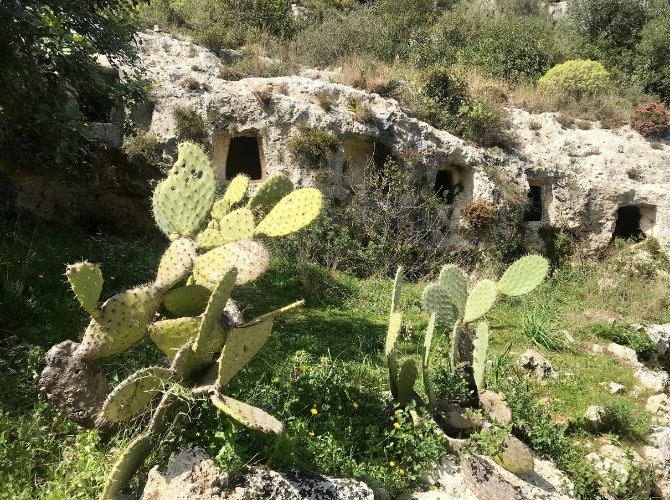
x: 48, y: 73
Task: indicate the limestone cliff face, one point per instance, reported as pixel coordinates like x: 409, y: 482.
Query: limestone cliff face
x: 578, y: 179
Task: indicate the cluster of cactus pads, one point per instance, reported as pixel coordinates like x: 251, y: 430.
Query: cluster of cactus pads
x: 453, y: 306
x: 212, y: 250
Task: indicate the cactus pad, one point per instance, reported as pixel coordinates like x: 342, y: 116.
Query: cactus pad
x: 86, y: 282
x: 480, y: 301
x: 455, y: 340
x: 190, y: 300
x: 436, y: 300
x: 480, y: 353
x: 237, y: 190
x: 171, y: 334
x: 523, y: 276
x: 397, y: 290
x: 249, y: 257
x: 453, y: 281
x: 428, y: 340
x: 176, y: 263
x: 292, y: 213
x: 185, y: 198
x: 122, y: 322
x: 247, y: 415
x: 241, y: 346
x: 159, y: 216
x: 237, y: 225
x: 395, y: 325
x: 406, y: 380
x: 135, y: 393
x: 126, y: 464
x: 271, y: 191
x: 495, y: 407
x: 210, y: 319
x: 516, y: 457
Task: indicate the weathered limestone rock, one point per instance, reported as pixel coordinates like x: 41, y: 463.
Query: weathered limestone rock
x: 613, y: 464
x: 192, y: 475
x: 655, y: 381
x: 659, y: 406
x: 615, y: 388
x: 659, y: 335
x: 537, y: 365
x: 624, y: 353
x: 594, y: 417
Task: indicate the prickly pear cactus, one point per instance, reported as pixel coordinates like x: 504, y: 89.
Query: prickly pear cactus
x: 187, y: 312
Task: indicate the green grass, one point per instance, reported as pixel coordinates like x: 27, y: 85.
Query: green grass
x: 327, y: 356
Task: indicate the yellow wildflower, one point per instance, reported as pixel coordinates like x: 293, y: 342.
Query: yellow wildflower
x: 392, y: 463
x: 355, y: 405
x: 401, y: 472
x: 314, y: 411
x: 396, y: 425
x: 275, y: 380
x: 311, y: 434
x: 302, y: 368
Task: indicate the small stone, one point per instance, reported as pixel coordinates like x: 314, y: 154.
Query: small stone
x: 655, y: 381
x: 594, y: 417
x: 624, y: 353
x: 615, y: 388
x: 537, y: 365
x: 460, y: 418
x: 597, y: 349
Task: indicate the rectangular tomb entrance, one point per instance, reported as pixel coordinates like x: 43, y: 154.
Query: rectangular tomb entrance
x: 242, y: 154
x: 635, y: 222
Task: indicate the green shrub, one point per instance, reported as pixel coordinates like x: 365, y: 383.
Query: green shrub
x: 313, y: 146
x: 144, y: 151
x: 628, y: 336
x: 190, y: 126
x: 626, y: 421
x: 576, y: 78
x: 653, y: 58
x: 515, y: 49
x: 483, y: 123
x: 650, y: 119
x: 478, y: 214
x: 446, y: 90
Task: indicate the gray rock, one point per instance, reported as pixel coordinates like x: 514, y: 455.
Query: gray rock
x: 624, y: 353
x: 659, y: 335
x: 192, y: 475
x: 659, y: 405
x: 616, y: 388
x: 655, y: 381
x: 537, y: 365
x: 594, y: 417
x: 613, y: 465
x: 73, y: 385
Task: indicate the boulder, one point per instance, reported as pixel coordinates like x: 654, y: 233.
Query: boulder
x: 624, y: 353
x: 659, y: 406
x: 537, y: 365
x: 616, y: 388
x: 192, y: 475
x: 659, y: 335
x: 594, y: 417
x: 652, y: 380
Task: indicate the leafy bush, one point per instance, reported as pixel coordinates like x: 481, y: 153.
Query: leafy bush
x: 576, y: 78
x: 626, y: 421
x: 483, y: 123
x: 144, y: 151
x: 190, y: 125
x: 628, y: 336
x: 446, y: 90
x: 650, y: 119
x: 653, y: 59
x: 516, y: 49
x: 477, y: 214
x: 313, y: 146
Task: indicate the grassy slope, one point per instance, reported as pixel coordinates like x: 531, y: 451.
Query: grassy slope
x: 328, y: 356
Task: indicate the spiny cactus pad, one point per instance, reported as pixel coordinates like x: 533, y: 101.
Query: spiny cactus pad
x: 160, y: 218
x: 249, y: 257
x: 397, y: 290
x: 406, y: 380
x: 523, y: 276
x: 292, y: 213
x: 176, y: 263
x: 480, y: 300
x: 122, y: 322
x: 185, y: 198
x: 455, y: 340
x: 428, y: 339
x: 237, y: 190
x: 271, y: 191
x: 453, y: 281
x: 516, y: 457
x: 126, y: 464
x: 237, y: 225
x: 395, y: 325
x: 86, y: 282
x: 210, y: 320
x: 170, y: 335
x: 480, y: 353
x: 436, y: 300
x: 190, y: 300
x: 135, y: 393
x: 247, y: 415
x: 241, y: 346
